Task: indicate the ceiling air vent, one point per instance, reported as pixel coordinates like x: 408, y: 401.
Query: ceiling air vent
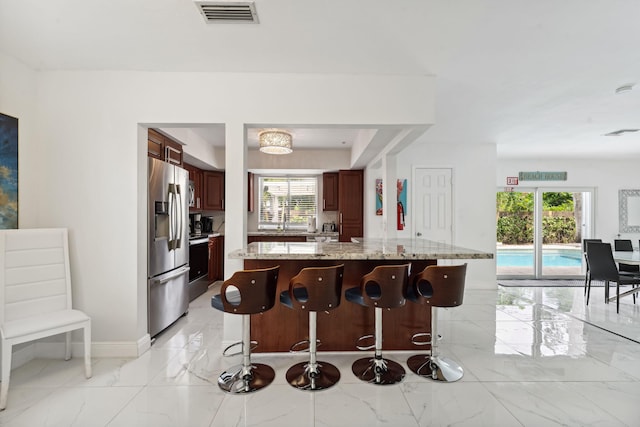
x: 216, y: 12
x: 621, y: 132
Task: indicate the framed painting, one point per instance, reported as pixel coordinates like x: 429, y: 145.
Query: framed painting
x: 8, y: 172
x: 402, y: 203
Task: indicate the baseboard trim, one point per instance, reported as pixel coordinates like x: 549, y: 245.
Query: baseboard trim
x: 55, y: 350
x: 116, y: 348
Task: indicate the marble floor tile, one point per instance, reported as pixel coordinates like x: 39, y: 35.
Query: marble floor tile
x: 170, y: 406
x: 76, y: 406
x: 363, y: 405
x: 459, y: 404
x: 531, y: 357
x: 552, y: 404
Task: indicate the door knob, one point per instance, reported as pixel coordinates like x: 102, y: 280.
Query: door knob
x: 418, y: 234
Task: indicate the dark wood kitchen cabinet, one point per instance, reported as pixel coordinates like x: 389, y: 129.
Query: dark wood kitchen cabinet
x: 350, y: 204
x: 216, y: 258
x: 213, y: 187
x: 251, y: 192
x: 330, y: 191
x: 164, y: 148
x: 195, y: 178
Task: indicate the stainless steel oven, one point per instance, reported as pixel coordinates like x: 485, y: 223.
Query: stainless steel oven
x: 198, y: 257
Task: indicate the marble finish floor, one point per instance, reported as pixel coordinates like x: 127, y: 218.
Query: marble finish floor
x: 532, y: 357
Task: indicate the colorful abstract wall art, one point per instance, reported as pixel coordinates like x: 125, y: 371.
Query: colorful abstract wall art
x: 402, y: 203
x: 378, y: 196
x: 8, y: 172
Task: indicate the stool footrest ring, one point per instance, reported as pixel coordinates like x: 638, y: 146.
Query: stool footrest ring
x: 416, y: 339
x: 225, y: 352
x: 294, y: 349
x: 366, y: 347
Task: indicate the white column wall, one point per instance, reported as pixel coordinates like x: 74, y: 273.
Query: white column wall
x: 373, y: 225
x: 606, y: 176
x: 93, y: 175
x: 389, y: 196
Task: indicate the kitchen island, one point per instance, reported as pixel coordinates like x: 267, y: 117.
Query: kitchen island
x: 277, y: 329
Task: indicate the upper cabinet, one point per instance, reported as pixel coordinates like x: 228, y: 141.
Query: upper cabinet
x: 213, y: 187
x: 164, y: 148
x: 350, y: 204
x: 206, y: 189
x: 330, y: 191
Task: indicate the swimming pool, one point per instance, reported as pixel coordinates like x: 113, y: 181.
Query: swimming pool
x: 550, y: 258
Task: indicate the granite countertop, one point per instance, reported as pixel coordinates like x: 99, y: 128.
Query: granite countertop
x: 361, y: 249
x: 293, y: 233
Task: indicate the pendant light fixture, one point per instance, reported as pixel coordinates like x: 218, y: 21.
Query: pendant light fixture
x: 275, y: 141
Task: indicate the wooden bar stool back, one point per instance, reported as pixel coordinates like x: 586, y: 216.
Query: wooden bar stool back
x: 436, y: 286
x: 385, y: 287
x: 245, y: 293
x: 313, y: 289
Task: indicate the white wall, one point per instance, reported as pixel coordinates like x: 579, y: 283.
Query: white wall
x: 473, y: 179
x: 93, y: 175
x: 605, y: 176
x: 375, y: 224
x: 300, y: 160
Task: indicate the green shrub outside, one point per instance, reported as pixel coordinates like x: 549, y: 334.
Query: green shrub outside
x: 515, y: 218
x: 516, y: 229
x: 558, y: 230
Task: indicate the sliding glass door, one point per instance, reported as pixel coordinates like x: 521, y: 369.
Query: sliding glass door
x: 540, y: 230
x: 515, y: 233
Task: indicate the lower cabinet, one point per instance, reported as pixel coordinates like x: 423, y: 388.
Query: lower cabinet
x: 216, y: 258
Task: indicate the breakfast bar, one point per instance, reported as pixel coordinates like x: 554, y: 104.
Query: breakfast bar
x: 279, y: 328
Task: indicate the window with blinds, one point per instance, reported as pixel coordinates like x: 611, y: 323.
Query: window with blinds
x: 286, y: 202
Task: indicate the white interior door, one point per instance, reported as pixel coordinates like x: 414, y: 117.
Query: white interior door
x: 432, y: 211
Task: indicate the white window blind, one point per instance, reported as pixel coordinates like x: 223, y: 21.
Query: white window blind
x: 286, y: 202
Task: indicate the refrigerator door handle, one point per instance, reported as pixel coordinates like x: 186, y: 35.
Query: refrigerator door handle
x: 180, y: 216
x: 172, y: 217
x: 177, y: 273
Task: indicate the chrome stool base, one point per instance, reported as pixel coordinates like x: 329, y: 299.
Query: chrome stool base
x: 378, y: 371
x: 236, y: 381
x: 436, y: 368
x: 302, y: 377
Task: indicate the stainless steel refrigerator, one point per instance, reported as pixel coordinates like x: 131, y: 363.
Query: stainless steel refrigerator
x: 168, y: 253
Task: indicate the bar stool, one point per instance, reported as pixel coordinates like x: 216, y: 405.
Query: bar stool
x: 384, y: 287
x: 247, y: 292
x: 437, y: 286
x: 313, y: 289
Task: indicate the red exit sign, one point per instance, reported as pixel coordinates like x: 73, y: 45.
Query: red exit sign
x: 512, y: 180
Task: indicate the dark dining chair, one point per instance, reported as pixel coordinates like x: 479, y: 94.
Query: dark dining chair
x: 625, y: 245
x: 603, y: 267
x: 585, y: 242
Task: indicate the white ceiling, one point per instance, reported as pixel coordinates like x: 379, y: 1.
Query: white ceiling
x: 537, y: 78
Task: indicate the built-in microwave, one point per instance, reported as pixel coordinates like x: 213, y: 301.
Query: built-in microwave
x: 192, y: 195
